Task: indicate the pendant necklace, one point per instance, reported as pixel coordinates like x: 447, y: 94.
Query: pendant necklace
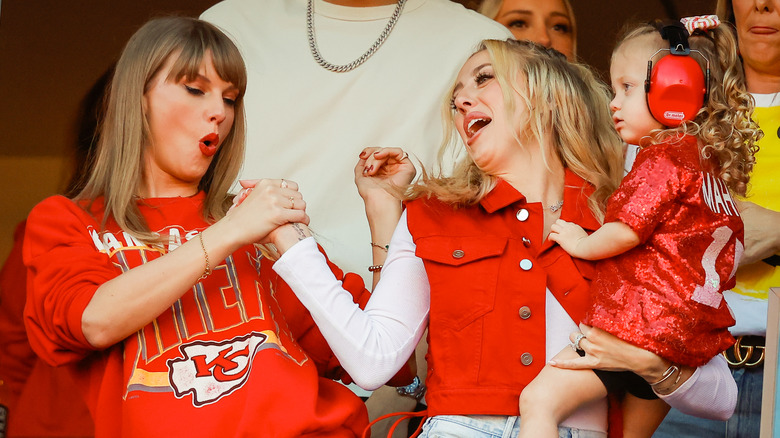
x: 555, y: 207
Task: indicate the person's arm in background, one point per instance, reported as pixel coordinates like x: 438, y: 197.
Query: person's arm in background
x: 762, y: 235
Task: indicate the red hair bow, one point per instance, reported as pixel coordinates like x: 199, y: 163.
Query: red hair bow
x: 703, y: 22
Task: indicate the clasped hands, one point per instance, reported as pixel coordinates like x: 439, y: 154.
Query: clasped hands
x: 280, y: 204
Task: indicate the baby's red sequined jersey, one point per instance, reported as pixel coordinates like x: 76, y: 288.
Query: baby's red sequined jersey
x: 666, y: 294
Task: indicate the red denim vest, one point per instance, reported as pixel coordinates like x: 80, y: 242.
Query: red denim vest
x: 489, y: 270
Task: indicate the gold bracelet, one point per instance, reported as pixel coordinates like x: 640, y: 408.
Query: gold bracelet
x: 375, y: 268
x: 382, y: 247
x: 207, y: 271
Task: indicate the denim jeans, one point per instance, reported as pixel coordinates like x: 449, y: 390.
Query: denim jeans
x: 745, y: 423
x: 488, y: 426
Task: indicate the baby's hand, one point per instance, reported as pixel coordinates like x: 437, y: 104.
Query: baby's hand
x: 568, y: 235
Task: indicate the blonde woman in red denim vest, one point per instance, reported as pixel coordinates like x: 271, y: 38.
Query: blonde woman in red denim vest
x: 469, y: 258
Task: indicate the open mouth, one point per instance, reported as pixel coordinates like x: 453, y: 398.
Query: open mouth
x: 474, y: 124
x: 208, y: 144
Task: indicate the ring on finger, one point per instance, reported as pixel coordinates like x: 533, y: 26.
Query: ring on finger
x: 292, y: 202
x: 283, y: 184
x: 577, y: 340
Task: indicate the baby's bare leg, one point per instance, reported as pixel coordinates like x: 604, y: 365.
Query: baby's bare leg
x: 554, y: 395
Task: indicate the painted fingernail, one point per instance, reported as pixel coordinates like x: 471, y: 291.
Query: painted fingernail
x: 362, y: 154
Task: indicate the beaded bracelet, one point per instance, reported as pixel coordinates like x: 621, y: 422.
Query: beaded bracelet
x: 382, y: 247
x: 374, y: 268
x: 207, y: 271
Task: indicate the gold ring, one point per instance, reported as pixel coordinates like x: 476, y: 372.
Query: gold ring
x: 292, y: 202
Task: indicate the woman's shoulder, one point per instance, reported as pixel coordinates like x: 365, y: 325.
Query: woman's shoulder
x: 59, y: 219
x: 432, y: 208
x: 424, y: 202
x: 53, y: 206
x: 59, y: 207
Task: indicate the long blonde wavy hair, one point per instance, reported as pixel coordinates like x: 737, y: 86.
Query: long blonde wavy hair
x: 727, y: 134
x: 569, y: 110
x: 124, y: 131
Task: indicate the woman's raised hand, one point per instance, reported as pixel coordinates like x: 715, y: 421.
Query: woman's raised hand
x: 380, y: 168
x: 265, y: 204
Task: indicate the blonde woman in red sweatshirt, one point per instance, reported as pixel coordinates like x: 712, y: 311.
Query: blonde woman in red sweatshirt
x: 151, y: 292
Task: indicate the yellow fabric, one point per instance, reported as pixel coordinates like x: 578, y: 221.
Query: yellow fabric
x: 755, y: 280
x: 748, y: 300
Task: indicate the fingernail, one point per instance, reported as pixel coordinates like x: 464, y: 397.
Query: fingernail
x: 552, y: 362
x: 362, y: 154
x: 370, y: 168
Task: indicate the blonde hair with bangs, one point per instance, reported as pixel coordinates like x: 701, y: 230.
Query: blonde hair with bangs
x: 724, y: 127
x: 490, y: 8
x: 118, y: 163
x: 568, y: 107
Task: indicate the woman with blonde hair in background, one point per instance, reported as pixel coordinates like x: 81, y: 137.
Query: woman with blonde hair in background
x: 550, y: 23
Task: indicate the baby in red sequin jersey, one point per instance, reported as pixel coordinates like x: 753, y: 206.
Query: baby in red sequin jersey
x: 672, y: 236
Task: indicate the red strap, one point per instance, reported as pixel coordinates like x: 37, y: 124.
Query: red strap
x: 404, y: 416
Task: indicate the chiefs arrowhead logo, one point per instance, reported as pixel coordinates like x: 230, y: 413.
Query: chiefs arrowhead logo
x: 211, y: 370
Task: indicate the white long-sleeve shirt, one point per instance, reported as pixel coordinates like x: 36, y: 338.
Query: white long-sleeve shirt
x: 373, y: 344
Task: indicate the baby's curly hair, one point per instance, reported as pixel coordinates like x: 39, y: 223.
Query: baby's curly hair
x: 724, y: 126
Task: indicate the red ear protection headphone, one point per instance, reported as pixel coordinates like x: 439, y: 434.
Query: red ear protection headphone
x: 676, y: 87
